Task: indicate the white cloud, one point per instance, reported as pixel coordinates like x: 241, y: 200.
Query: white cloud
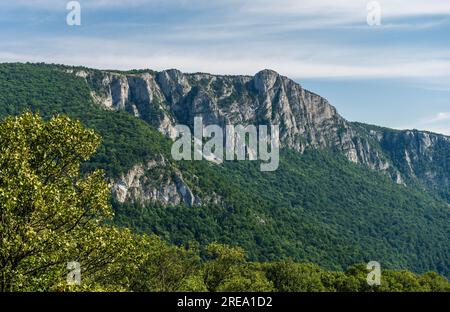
x: 112, y: 4
x: 437, y: 123
x: 330, y: 9
x: 245, y: 41
x: 307, y: 59
x: 439, y: 117
x: 443, y: 129
x: 58, y: 4
x: 355, y: 8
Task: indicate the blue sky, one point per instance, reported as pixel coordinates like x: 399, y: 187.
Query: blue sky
x: 396, y: 74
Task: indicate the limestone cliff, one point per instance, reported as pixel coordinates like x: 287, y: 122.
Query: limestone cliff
x: 306, y: 120
x: 153, y: 182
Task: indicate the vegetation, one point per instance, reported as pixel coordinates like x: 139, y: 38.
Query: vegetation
x: 52, y: 214
x: 49, y: 90
x: 316, y: 208
x: 48, y: 212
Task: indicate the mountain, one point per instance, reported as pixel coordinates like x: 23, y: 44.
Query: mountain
x: 306, y: 120
x: 344, y: 192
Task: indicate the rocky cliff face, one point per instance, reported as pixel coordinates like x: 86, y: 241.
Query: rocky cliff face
x: 154, y: 182
x: 171, y: 97
x: 419, y: 155
x: 139, y: 95
x: 306, y: 120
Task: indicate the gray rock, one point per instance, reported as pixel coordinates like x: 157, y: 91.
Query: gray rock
x: 306, y: 120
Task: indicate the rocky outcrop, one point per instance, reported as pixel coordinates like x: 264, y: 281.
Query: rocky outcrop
x: 140, y: 95
x: 171, y: 97
x: 153, y: 182
x: 306, y: 120
x: 419, y: 155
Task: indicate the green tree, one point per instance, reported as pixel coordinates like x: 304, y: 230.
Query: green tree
x: 221, y: 265
x: 165, y: 267
x: 431, y: 281
x: 50, y: 214
x: 357, y: 279
x: 288, y: 276
x: 250, y: 277
x: 399, y: 281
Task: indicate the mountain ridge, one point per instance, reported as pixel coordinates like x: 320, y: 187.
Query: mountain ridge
x: 306, y: 119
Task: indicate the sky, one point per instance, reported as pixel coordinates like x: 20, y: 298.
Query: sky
x: 396, y: 74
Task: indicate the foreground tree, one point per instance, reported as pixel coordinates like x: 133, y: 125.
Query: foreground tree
x: 50, y: 214
x: 288, y: 276
x: 222, y: 262
x: 164, y: 267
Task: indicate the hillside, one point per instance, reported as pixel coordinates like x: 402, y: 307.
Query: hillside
x: 325, y: 203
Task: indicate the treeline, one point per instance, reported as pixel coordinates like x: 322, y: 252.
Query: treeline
x: 159, y: 266
x: 128, y: 262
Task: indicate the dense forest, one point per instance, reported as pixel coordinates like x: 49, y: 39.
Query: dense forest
x: 317, y: 208
x: 52, y: 214
x: 264, y: 234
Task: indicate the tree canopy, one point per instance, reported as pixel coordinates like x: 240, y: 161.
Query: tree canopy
x: 51, y: 213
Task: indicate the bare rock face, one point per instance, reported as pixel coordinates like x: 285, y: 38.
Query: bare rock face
x: 173, y: 84
x: 139, y: 95
x: 115, y: 95
x: 265, y: 80
x: 421, y: 155
x: 153, y: 182
x: 306, y: 120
